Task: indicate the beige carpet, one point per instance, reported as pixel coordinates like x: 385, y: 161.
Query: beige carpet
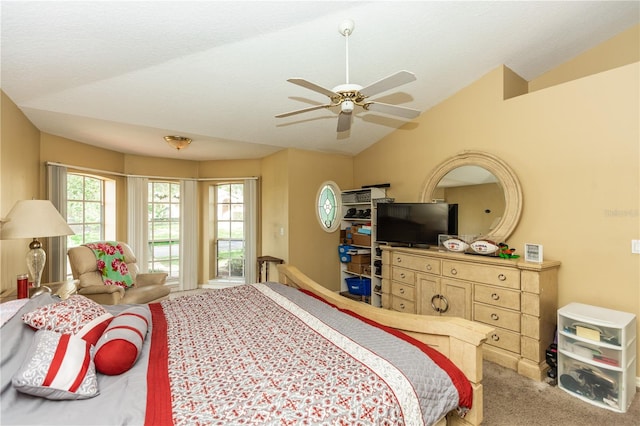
x: 513, y: 400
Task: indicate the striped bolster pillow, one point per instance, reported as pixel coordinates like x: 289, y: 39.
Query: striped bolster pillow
x: 57, y: 366
x: 120, y: 345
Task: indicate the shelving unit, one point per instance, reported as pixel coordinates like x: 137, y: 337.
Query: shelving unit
x: 362, y: 200
x: 597, y: 355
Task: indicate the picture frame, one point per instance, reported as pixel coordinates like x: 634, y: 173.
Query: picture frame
x: 533, y: 253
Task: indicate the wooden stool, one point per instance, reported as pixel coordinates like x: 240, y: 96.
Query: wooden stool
x: 265, y: 260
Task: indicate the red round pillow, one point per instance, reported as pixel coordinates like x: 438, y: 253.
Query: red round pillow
x: 120, y: 345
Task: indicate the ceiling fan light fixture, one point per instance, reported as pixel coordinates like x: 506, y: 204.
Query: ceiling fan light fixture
x: 347, y: 106
x: 178, y: 142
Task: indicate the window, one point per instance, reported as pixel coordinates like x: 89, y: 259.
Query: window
x: 85, y: 213
x: 164, y: 228
x: 90, y: 209
x: 328, y: 206
x: 229, y: 231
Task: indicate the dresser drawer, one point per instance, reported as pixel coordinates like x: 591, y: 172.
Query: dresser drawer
x: 418, y: 263
x: 494, y: 275
x: 496, y: 317
x: 404, y: 291
x: 403, y: 305
x: 497, y: 296
x: 504, y: 339
x: 403, y: 275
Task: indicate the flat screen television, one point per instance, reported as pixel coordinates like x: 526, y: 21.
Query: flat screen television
x: 416, y: 224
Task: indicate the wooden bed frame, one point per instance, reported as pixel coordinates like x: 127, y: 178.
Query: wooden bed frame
x: 458, y: 339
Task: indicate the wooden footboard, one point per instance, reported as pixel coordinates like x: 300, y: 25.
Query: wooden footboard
x: 458, y: 339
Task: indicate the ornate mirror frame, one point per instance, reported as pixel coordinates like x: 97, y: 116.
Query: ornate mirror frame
x: 505, y: 175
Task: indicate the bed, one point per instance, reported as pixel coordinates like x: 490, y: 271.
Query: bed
x: 254, y: 354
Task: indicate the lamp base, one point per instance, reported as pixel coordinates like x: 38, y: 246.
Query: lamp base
x: 36, y: 258
x: 40, y: 290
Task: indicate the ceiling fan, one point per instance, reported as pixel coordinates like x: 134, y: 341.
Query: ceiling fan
x: 349, y: 95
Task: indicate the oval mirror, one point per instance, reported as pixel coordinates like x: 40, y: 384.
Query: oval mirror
x: 487, y: 192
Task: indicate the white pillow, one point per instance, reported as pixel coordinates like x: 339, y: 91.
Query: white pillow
x: 57, y: 366
x: 77, y: 315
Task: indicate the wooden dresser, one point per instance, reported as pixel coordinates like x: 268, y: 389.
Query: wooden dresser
x: 518, y: 298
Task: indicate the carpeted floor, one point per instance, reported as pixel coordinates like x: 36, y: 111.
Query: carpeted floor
x: 513, y: 400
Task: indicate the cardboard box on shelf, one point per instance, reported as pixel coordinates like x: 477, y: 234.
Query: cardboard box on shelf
x: 360, y: 239
x: 356, y: 268
x: 361, y: 258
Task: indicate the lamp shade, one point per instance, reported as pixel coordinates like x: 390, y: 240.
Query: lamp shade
x: 34, y: 219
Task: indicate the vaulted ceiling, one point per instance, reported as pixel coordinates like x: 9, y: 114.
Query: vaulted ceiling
x: 121, y: 75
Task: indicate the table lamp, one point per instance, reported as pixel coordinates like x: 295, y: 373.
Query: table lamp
x: 34, y: 219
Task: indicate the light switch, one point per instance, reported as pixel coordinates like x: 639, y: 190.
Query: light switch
x: 635, y: 246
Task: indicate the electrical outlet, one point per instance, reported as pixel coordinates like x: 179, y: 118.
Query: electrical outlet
x: 635, y: 246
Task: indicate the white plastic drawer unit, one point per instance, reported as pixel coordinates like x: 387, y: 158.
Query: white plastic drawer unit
x: 597, y: 355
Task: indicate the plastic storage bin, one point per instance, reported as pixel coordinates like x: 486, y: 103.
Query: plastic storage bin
x: 343, y: 249
x: 359, y: 286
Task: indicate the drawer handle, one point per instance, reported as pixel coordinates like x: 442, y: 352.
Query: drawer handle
x: 495, y: 337
x: 446, y: 304
x: 495, y: 317
x: 495, y: 296
x: 399, y: 259
x: 402, y: 306
x: 402, y: 291
x: 402, y: 275
x: 428, y: 267
x: 443, y: 300
x: 454, y: 271
x: 502, y: 277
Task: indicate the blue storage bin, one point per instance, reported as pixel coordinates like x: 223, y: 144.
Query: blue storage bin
x: 359, y: 286
x: 343, y: 249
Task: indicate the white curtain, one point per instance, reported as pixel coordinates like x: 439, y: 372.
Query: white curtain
x: 137, y: 202
x: 57, y: 250
x: 188, y: 234
x: 250, y: 228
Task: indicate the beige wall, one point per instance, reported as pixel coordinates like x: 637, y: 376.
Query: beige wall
x: 312, y: 249
x: 290, y: 231
x: 275, y: 205
x: 20, y: 180
x: 576, y: 150
x: 624, y: 49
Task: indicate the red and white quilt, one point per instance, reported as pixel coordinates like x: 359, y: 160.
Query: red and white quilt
x: 270, y: 354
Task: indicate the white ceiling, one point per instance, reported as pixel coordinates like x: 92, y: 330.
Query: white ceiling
x: 121, y: 75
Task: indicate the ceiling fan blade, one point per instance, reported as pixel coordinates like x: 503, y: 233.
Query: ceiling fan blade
x: 392, y: 109
x: 298, y: 111
x: 344, y: 121
x: 312, y: 86
x: 389, y: 82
